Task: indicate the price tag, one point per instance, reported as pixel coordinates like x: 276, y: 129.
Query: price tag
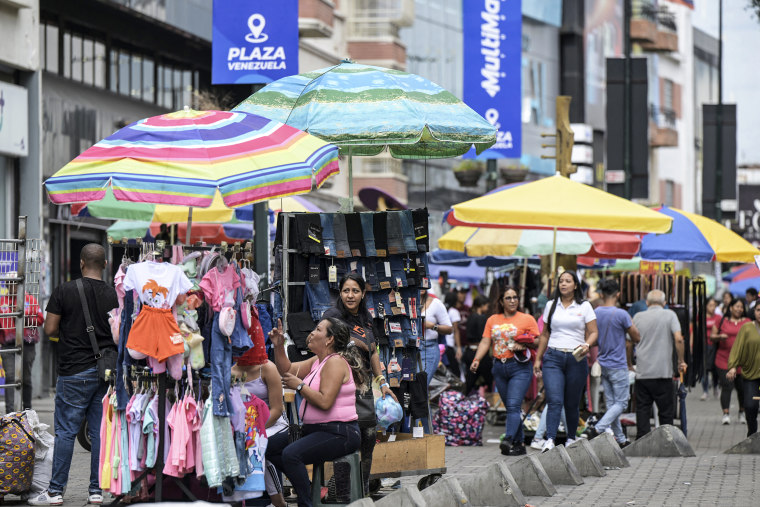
x: 398, y: 342
x: 394, y: 382
x: 395, y: 327
x: 668, y: 268
x: 332, y: 274
x: 418, y: 432
x: 385, y: 284
x: 400, y: 301
x: 387, y: 266
x: 392, y: 437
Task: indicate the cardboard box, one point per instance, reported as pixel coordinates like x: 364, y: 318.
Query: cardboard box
x: 408, y: 453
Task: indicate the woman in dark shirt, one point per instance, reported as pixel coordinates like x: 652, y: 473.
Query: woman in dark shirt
x: 476, y: 323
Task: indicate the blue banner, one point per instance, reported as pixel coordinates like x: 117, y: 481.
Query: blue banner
x: 492, y: 70
x: 254, y: 41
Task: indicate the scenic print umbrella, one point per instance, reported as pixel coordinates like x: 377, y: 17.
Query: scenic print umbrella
x: 368, y: 108
x: 208, y: 232
x: 478, y: 242
x: 182, y: 158
x: 557, y: 203
x: 696, y: 238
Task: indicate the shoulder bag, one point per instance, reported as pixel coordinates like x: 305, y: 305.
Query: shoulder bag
x: 106, y: 359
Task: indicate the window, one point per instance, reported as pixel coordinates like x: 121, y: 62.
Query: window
x: 88, y: 62
x: 667, y: 94
x: 99, y: 65
x: 51, y: 48
x: 124, y: 73
x: 76, y: 58
x: 148, y: 86
x: 135, y: 89
x: 67, y: 55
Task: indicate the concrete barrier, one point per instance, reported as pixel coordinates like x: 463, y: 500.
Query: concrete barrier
x: 608, y: 451
x: 667, y: 441
x: 406, y: 496
x: 445, y: 493
x: 364, y: 502
x: 492, y: 485
x: 559, y: 467
x: 531, y: 477
x: 750, y: 445
x: 585, y: 459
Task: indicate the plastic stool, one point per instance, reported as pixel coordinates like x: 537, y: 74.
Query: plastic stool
x: 357, y: 487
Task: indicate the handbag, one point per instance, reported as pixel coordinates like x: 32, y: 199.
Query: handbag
x: 106, y: 359
x: 365, y: 409
x: 16, y: 454
x: 295, y: 430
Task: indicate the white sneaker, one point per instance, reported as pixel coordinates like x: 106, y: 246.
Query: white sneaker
x: 45, y: 498
x: 95, y: 498
x: 537, y: 443
x: 726, y: 419
x: 548, y: 445
x: 570, y: 441
x: 703, y: 397
x: 742, y: 418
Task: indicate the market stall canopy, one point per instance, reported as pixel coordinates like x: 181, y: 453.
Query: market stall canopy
x: 749, y: 278
x: 183, y: 158
x: 208, y: 232
x: 698, y: 239
x: 557, y: 202
x: 731, y: 274
x: 470, y: 273
x: 369, y: 108
x: 527, y: 242
x: 454, y: 258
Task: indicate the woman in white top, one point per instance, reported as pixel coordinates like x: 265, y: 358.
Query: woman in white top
x: 570, y: 324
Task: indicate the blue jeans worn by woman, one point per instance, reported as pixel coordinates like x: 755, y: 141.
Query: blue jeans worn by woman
x: 541, y: 430
x: 564, y: 379
x: 77, y: 397
x: 616, y: 394
x: 319, y: 443
x: 512, y: 380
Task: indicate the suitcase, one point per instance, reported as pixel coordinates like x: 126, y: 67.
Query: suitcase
x: 16, y: 454
x: 460, y: 419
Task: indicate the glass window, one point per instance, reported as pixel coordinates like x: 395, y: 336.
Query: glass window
x: 124, y: 73
x: 51, y: 48
x: 88, y: 62
x: 148, y: 85
x: 667, y: 98
x: 66, y: 55
x: 187, y: 89
x: 167, y: 88
x: 100, y: 65
x: 135, y: 89
x: 76, y: 58
x: 177, y: 90
x: 114, y: 70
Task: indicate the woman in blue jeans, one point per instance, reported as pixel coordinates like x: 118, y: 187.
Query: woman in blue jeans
x: 570, y: 326
x: 327, y: 383
x: 512, y: 335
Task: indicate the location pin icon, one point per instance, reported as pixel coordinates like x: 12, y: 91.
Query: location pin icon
x: 256, y: 25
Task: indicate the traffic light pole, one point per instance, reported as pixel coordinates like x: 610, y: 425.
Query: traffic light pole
x: 627, y: 113
x: 719, y: 133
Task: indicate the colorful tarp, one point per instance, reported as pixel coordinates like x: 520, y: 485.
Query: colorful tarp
x: 182, y: 158
x: 558, y: 202
x: 696, y: 238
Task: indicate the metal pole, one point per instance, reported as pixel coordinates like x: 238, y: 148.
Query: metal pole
x: 261, y: 240
x: 350, y: 182
x: 553, y: 262
x: 189, y: 225
x: 285, y: 269
x: 627, y: 113
x: 523, y: 279
x: 20, y: 299
x: 719, y: 136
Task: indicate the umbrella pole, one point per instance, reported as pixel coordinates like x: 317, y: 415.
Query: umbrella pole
x: 523, y: 279
x: 350, y: 182
x: 553, y: 262
x: 189, y: 224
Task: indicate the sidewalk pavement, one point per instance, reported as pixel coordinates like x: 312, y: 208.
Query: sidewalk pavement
x: 710, y: 478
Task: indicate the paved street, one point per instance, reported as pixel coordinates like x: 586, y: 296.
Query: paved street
x: 710, y: 478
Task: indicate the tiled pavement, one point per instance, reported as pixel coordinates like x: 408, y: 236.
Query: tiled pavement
x: 710, y: 478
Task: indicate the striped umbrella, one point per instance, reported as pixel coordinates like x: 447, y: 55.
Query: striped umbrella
x: 365, y: 109
x: 182, y: 158
x: 696, y: 238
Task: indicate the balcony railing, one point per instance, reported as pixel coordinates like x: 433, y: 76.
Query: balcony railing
x: 662, y: 117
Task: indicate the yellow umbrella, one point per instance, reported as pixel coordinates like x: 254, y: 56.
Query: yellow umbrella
x: 557, y: 203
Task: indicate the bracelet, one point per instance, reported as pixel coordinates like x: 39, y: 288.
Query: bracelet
x: 379, y: 378
x: 385, y: 384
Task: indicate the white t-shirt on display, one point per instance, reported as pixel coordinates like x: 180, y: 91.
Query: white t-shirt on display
x: 454, y: 317
x: 437, y: 314
x: 157, y: 283
x: 568, y: 327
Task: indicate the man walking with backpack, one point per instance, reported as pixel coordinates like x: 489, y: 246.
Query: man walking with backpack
x: 80, y: 389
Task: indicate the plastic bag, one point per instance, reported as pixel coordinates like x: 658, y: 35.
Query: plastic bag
x: 388, y: 411
x: 43, y: 472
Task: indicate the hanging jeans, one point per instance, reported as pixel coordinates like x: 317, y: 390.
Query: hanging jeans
x: 318, y: 299
x: 407, y: 231
x: 342, y: 248
x: 221, y: 362
x: 328, y: 234
x: 395, y: 237
x: 368, y: 233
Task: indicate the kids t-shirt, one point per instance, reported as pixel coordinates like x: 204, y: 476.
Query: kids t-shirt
x: 157, y: 283
x: 501, y: 329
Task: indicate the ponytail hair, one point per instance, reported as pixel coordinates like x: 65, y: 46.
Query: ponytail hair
x: 348, y: 351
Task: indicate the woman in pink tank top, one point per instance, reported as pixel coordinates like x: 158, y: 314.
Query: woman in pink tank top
x: 327, y: 383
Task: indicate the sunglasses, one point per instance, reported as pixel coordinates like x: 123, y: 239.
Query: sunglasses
x: 511, y: 298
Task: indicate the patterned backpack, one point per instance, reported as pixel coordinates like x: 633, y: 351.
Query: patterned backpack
x: 460, y: 419
x: 16, y: 454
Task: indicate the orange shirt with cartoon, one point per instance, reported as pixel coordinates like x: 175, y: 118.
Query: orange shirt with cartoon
x: 501, y: 329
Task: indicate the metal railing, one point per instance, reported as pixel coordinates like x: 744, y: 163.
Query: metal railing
x: 662, y: 117
x: 20, y: 267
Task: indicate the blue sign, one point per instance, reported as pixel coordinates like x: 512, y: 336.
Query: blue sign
x: 254, y: 41
x: 492, y: 69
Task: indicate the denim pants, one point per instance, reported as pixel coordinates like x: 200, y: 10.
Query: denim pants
x: 564, y: 380
x: 319, y: 443
x: 407, y: 231
x: 328, y: 235
x: 77, y: 397
x: 541, y: 430
x: 431, y: 356
x: 221, y: 361
x: 395, y: 236
x: 368, y: 233
x: 342, y: 248
x: 512, y: 380
x: 616, y: 395
x: 318, y: 298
